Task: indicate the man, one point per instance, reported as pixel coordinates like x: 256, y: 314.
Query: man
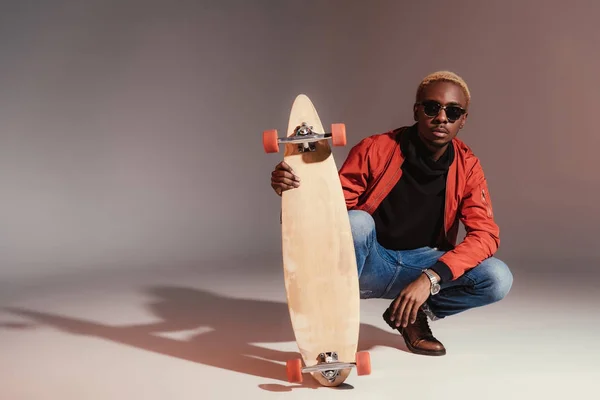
x: 406, y: 191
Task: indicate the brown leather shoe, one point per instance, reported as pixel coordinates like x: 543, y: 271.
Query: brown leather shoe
x: 418, y: 336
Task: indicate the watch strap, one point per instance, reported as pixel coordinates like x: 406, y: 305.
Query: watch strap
x: 431, y: 276
x: 434, y: 284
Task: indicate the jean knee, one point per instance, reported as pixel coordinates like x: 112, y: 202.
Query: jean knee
x: 362, y: 225
x: 500, y: 279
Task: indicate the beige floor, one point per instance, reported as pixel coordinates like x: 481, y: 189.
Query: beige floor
x: 193, y: 334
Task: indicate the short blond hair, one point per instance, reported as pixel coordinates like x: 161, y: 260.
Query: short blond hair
x: 444, y: 76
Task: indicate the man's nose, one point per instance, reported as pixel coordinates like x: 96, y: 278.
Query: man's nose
x: 441, y: 116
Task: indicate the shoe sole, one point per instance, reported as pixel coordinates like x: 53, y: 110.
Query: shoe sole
x: 423, y: 352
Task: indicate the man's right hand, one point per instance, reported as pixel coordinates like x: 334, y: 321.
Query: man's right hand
x: 283, y: 178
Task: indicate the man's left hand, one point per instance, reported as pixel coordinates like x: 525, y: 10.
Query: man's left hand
x: 406, y: 305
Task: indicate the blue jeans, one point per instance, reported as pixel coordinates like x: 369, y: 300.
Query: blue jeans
x: 384, y: 273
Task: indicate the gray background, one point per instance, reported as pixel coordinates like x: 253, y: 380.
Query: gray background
x: 131, y: 130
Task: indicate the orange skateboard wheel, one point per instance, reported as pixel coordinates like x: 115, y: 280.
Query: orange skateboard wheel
x: 363, y: 363
x: 294, y: 370
x: 270, y: 141
x: 338, y: 134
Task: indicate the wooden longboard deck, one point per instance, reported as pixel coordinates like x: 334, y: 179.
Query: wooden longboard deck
x: 321, y: 277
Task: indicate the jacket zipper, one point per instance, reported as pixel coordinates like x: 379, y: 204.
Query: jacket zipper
x: 370, y: 209
x: 388, y: 184
x: 445, y: 211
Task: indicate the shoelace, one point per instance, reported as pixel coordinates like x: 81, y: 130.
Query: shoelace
x: 422, y: 321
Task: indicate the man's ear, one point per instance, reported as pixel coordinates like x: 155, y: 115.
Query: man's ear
x: 415, y: 107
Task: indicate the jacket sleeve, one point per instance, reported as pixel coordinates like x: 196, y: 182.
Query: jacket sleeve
x: 355, y: 172
x: 482, y: 237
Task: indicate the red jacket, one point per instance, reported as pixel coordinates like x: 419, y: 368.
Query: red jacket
x: 372, y: 168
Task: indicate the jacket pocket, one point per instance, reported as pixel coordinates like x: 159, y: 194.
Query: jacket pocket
x: 486, y: 203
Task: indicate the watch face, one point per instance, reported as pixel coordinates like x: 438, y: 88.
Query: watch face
x: 435, y: 289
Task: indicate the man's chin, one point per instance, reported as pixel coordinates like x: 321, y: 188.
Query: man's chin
x: 436, y: 142
x: 439, y: 143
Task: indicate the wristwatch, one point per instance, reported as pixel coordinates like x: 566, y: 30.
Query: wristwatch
x: 435, y: 286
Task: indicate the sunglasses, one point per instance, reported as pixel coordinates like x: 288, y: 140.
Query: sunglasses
x: 432, y: 108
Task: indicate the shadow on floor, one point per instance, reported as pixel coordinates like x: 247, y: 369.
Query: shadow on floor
x: 232, y: 326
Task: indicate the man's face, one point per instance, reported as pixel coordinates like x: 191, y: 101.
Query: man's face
x: 438, y: 130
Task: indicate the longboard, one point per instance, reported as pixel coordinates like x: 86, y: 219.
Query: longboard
x: 319, y: 262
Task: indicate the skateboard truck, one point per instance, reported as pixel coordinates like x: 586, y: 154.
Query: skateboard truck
x: 329, y: 366
x: 306, y: 132
x: 332, y: 360
x: 305, y: 137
